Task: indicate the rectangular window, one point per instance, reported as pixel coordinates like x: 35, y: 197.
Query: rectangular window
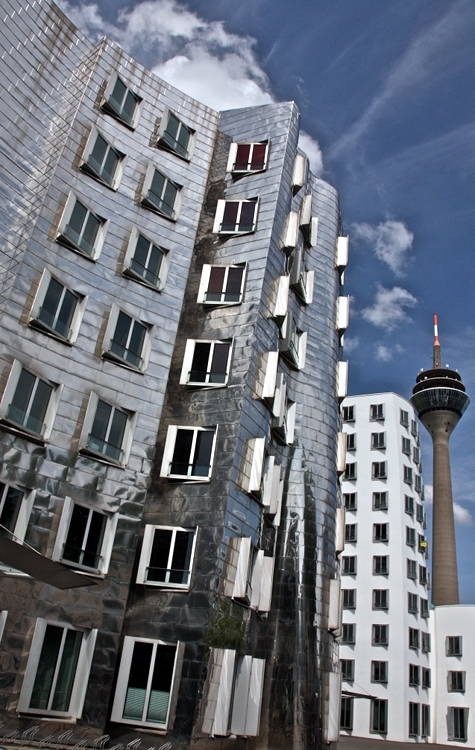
x: 348, y: 566
x: 351, y: 441
x: 161, y: 194
x: 167, y: 556
x: 379, y: 671
x: 15, y: 509
x: 418, y: 483
x: 422, y: 575
x: 406, y: 446
x: 235, y: 217
x: 349, y: 499
x: 414, y: 675
x: 380, y: 500
x: 347, y: 667
x: 29, y: 402
x: 379, y: 716
x: 103, y: 161
x: 350, y: 532
x: 107, y: 431
x: 456, y: 682
x: 346, y: 713
x: 349, y: 598
x: 414, y: 430
x: 380, y: 470
x: 206, y: 363
x: 416, y: 455
x: 453, y: 645
x: 410, y: 536
x: 411, y: 569
x: 422, y: 544
x: 414, y: 719
x: 293, y: 343
x: 348, y: 413
x: 146, y: 262
x: 85, y: 537
x: 413, y: 639
x: 301, y: 279
x: 424, y: 608
x: 426, y: 643
x: 419, y: 513
x: 247, y: 157
x: 426, y: 678
x: 380, y: 599
x: 380, y: 635
x: 409, y: 504
x: 145, y: 682
x: 350, y: 472
x: 412, y: 604
x: 458, y: 724
x: 127, y: 341
x: 221, y: 285
x: 189, y: 453
x: 404, y: 417
x: 175, y: 136
x: 425, y: 720
x: 348, y: 633
x: 408, y: 475
x: 56, y: 309
x: 81, y: 230
x: 381, y: 565
x: 57, y: 672
x: 376, y: 412
x: 380, y: 532
x: 121, y: 102
x: 378, y: 440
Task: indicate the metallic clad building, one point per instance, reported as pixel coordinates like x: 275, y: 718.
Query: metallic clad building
x: 170, y: 337
x: 439, y: 399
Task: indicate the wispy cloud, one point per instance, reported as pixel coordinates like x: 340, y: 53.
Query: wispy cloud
x: 389, y: 308
x: 462, y: 515
x: 387, y: 353
x: 426, y: 56
x: 199, y: 57
x: 350, y: 344
x: 391, y: 242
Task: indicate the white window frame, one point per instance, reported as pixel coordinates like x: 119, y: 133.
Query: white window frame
x: 294, y: 354
x: 267, y: 378
x: 282, y: 299
x: 272, y: 490
x: 341, y: 449
x: 35, y: 322
x: 89, y: 418
x: 128, y: 271
x: 349, y: 413
x: 96, y: 174
x: 350, y: 500
x: 147, y: 546
x: 123, y: 680
x: 219, y: 216
x: 170, y: 448
x: 188, y: 360
x: 378, y: 568
x: 238, y: 569
x: 335, y: 609
x: 204, y: 283
x: 261, y: 582
x: 342, y: 382
x: 107, y: 540
x: 253, y: 465
x: 247, y: 696
x: 342, y: 314
x: 21, y: 524
x: 306, y: 213
x: 80, y: 680
x: 350, y: 441
x: 341, y: 259
x: 378, y: 441
x: 379, y: 671
x: 231, y: 165
x: 107, y: 107
x: 299, y: 172
x: 165, y: 145
x: 64, y: 239
x: 348, y: 633
x: 290, y: 232
x: 283, y: 424
x: 109, y: 334
x: 9, y: 393
x: 148, y: 204
x: 301, y: 280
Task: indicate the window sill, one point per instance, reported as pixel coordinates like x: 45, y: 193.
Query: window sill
x: 37, y: 325
x: 88, y: 453
x: 182, y: 478
x: 50, y: 718
x: 129, y: 274
x: 110, y: 111
x: 163, y: 146
x: 21, y: 432
x: 86, y: 169
x: 109, y: 357
x: 151, y: 207
x: 61, y: 239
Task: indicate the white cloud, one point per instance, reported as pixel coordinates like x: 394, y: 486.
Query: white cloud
x: 312, y: 149
x: 428, y: 493
x: 387, y: 353
x: 389, y: 309
x: 350, y: 344
x: 462, y: 515
x: 391, y: 241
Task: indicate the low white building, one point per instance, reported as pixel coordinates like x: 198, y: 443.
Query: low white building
x: 405, y: 666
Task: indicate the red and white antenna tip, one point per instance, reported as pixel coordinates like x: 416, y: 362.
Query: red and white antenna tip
x: 436, y: 331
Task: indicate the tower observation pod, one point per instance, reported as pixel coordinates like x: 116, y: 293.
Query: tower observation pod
x: 439, y: 400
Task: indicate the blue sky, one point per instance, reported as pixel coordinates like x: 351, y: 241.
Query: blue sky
x: 385, y: 90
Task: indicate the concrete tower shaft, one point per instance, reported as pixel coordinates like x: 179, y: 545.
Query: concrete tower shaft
x: 439, y: 400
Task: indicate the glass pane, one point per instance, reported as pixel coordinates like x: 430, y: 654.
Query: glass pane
x: 93, y: 546
x: 230, y: 216
x: 90, y: 233
x: 156, y: 188
x: 202, y: 457
x: 65, y: 314
x: 219, y: 364
x: 46, y: 667
x: 117, y: 430
x: 121, y: 335
x: 233, y: 285
x: 172, y: 127
x: 199, y: 365
x: 21, y: 399
x: 101, y: 420
x: 169, y: 198
x: 67, y: 671
x: 10, y: 509
x: 180, y: 567
x: 215, y: 284
x: 161, y: 684
x: 246, y: 221
x: 77, y: 219
x: 242, y: 157
x: 118, y: 94
x: 110, y: 166
x: 39, y: 406
x: 50, y: 304
x: 258, y: 156
x: 136, y: 343
x: 76, y: 533
x: 97, y: 155
x: 183, y: 141
x: 181, y: 453
x: 147, y: 260
x: 138, y: 678
x: 128, y: 108
x: 159, y: 556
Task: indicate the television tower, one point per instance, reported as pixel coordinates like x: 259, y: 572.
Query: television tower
x: 439, y: 400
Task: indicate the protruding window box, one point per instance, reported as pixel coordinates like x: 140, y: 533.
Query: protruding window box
x: 102, y: 161
x: 107, y: 432
x: 121, y: 102
x: 167, y: 557
x: 189, y: 453
x: 290, y: 234
x: 206, y: 363
x: 342, y: 381
x: 81, y: 230
x: 175, y: 136
x: 293, y: 344
x: 161, y: 194
x: 146, y: 262
x: 301, y: 280
x: 221, y: 285
x: 341, y: 259
x: 236, y: 217
x: 57, y: 310
x: 342, y: 314
x: 29, y: 402
x: 253, y: 465
x: 299, y: 173
x: 247, y: 158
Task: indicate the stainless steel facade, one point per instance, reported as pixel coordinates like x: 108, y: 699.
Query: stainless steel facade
x: 51, y: 110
